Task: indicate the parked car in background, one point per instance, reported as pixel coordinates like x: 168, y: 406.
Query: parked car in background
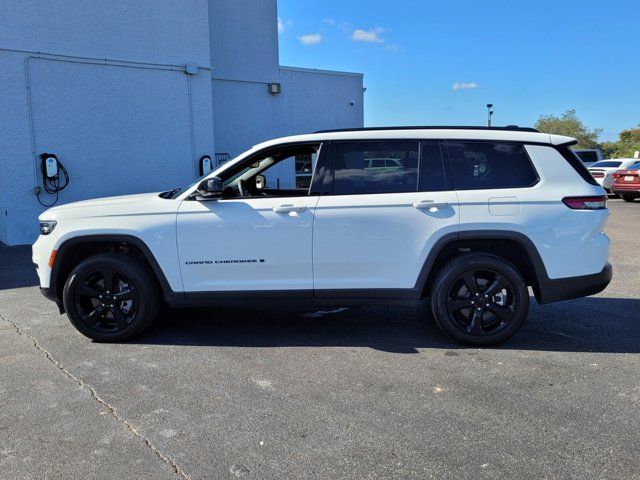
x: 626, y: 183
x: 589, y: 156
x: 603, y: 171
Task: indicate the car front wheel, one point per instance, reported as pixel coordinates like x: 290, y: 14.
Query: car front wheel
x: 479, y: 299
x: 111, y: 297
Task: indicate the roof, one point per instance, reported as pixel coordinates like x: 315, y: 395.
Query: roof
x: 512, y: 133
x: 510, y: 128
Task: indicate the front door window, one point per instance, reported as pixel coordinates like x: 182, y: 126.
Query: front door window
x: 276, y: 173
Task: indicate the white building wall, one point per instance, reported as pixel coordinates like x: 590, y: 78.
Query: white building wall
x: 103, y: 86
x: 246, y: 114
x: 323, y: 99
x: 107, y: 93
x: 244, y: 57
x: 244, y: 39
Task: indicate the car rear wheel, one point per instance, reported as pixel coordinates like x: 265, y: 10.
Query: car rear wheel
x: 111, y: 297
x: 628, y: 198
x: 479, y: 299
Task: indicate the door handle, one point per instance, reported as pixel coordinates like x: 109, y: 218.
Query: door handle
x: 288, y: 208
x: 430, y: 205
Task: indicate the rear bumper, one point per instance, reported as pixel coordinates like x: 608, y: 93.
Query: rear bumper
x: 555, y: 290
x: 622, y: 189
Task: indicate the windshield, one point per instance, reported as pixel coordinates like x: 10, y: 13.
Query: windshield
x: 177, y: 191
x: 606, y: 164
x: 635, y: 166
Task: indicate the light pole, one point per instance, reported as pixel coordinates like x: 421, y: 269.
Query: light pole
x: 490, y: 113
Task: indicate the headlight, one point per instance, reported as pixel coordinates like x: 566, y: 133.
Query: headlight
x: 47, y: 227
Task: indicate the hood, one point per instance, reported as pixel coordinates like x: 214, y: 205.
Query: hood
x: 124, y: 204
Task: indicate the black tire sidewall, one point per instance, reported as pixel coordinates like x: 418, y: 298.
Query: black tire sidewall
x: 452, y: 271
x: 143, y: 281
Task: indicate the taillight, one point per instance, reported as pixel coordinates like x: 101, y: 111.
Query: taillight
x: 586, y: 203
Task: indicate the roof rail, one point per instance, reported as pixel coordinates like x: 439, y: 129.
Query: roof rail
x: 509, y: 128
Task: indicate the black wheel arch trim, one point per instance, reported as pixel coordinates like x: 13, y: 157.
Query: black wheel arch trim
x: 546, y: 290
x: 449, y: 238
x: 55, y: 289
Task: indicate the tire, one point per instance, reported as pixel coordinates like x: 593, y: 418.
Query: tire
x: 133, y: 292
x: 465, y: 313
x: 628, y: 198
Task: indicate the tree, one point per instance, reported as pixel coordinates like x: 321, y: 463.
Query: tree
x: 570, y: 125
x: 630, y: 136
x: 625, y: 147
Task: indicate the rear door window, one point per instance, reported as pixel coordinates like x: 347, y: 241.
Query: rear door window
x: 485, y: 165
x: 374, y: 167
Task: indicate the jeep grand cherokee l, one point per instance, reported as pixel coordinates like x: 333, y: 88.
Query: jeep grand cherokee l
x: 468, y: 216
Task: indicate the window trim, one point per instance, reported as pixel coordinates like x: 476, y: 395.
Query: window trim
x: 511, y: 142
x: 444, y: 158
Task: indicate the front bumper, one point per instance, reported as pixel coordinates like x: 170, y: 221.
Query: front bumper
x: 555, y: 290
x: 51, y: 295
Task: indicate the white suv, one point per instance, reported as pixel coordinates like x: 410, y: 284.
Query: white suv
x: 467, y: 216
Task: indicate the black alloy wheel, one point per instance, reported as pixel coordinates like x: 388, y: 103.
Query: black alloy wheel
x: 106, y: 300
x: 479, y: 299
x: 111, y: 297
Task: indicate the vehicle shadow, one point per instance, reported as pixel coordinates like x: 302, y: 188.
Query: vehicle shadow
x: 590, y: 324
x: 16, y: 269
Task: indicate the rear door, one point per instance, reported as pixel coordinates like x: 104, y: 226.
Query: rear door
x: 377, y: 220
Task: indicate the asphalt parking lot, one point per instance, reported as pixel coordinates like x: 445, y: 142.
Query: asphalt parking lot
x: 365, y: 393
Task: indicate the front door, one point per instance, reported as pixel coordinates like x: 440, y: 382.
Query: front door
x: 386, y: 211
x: 257, y: 237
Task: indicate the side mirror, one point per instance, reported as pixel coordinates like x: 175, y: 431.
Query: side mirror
x: 209, y: 189
x: 261, y: 182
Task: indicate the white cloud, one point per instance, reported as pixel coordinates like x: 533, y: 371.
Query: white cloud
x: 329, y: 21
x: 283, y: 25
x: 371, y: 36
x: 464, y: 86
x: 310, y: 39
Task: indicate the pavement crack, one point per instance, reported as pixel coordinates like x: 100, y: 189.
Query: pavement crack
x: 94, y: 394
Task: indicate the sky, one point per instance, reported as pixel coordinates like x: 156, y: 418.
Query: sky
x: 440, y: 62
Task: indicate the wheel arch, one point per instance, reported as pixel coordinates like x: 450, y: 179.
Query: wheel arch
x: 76, y: 249
x: 514, y: 247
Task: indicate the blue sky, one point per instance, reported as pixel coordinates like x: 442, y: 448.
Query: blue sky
x: 527, y: 58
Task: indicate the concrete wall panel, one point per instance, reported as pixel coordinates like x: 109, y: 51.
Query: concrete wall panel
x: 244, y: 39
x: 163, y: 31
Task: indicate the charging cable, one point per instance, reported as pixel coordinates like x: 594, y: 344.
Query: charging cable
x: 54, y: 177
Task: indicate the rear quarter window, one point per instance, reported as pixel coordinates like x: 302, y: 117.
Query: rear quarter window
x: 488, y: 165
